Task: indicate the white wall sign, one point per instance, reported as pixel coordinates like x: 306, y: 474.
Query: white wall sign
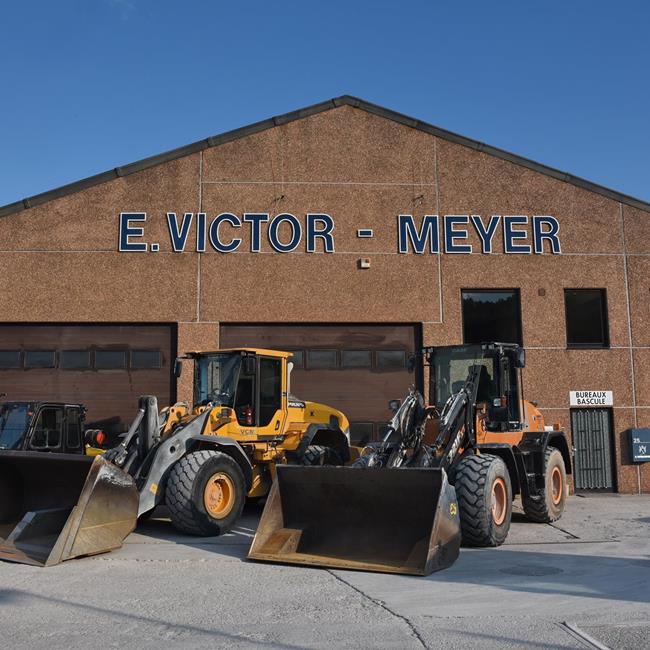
x: 591, y: 397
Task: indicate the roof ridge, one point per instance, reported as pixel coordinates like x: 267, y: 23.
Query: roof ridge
x: 343, y: 100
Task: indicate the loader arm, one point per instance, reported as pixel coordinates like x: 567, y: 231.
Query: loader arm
x: 457, y: 422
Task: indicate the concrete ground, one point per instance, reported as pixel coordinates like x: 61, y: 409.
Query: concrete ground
x: 583, y: 583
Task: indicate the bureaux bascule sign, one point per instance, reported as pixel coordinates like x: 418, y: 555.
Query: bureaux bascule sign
x: 316, y: 233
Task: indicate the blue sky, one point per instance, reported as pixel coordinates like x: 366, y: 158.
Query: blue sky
x: 88, y: 85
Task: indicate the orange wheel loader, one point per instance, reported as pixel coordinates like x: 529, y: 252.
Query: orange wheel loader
x: 444, y: 472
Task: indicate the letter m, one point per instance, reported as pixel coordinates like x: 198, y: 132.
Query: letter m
x: 407, y: 232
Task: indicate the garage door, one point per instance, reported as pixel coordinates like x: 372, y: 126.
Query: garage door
x: 354, y: 368
x: 104, y: 367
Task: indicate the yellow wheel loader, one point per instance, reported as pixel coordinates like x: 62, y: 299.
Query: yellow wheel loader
x: 203, y: 461
x: 444, y: 472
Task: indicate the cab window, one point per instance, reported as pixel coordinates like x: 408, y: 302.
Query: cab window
x: 47, y: 432
x: 73, y: 438
x: 270, y: 389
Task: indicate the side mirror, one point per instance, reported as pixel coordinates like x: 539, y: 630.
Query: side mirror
x: 249, y: 365
x: 394, y: 405
x: 520, y: 358
x: 178, y: 368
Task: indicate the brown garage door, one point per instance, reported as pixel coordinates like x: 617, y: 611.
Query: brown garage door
x: 355, y: 368
x: 104, y: 367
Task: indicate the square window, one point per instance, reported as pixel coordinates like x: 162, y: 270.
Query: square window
x: 110, y: 359
x: 40, y: 359
x: 391, y: 359
x: 146, y: 359
x: 586, y: 318
x: 321, y: 359
x: 361, y: 433
x: 74, y: 359
x: 9, y: 359
x: 356, y: 358
x: 491, y: 315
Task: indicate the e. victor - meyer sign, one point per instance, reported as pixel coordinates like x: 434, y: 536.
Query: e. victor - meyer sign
x: 316, y: 233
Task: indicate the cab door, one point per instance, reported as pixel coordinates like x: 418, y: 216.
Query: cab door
x: 73, y: 442
x: 271, y: 411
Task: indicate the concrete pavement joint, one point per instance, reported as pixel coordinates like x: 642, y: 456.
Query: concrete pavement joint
x: 413, y: 631
x: 582, y: 636
x: 562, y: 530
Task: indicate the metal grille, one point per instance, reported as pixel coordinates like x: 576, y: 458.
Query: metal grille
x: 592, y: 439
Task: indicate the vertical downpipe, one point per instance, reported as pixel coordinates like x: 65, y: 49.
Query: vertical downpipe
x: 629, y: 332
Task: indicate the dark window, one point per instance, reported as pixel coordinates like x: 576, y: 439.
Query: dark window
x: 270, y: 389
x: 146, y: 359
x: 74, y: 429
x: 491, y: 315
x: 586, y: 318
x: 356, y: 358
x: 321, y: 358
x: 361, y: 433
x: 297, y: 359
x: 9, y: 359
x: 110, y: 359
x: 47, y: 431
x: 74, y: 359
x: 40, y: 358
x: 387, y: 359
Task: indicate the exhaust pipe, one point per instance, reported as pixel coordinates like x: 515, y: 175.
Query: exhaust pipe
x: 385, y: 520
x: 54, y: 507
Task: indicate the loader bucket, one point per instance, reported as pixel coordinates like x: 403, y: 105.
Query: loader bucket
x: 387, y: 520
x: 54, y: 507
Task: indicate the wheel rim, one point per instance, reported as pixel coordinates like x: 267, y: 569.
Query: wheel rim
x: 557, y: 485
x: 219, y: 495
x: 499, y: 501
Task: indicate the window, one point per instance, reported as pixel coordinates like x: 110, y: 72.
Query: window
x: 47, y: 431
x: 40, y: 359
x: 74, y: 359
x: 321, y: 358
x: 361, y: 433
x: 356, y: 358
x: 74, y: 429
x: 297, y: 359
x: 9, y: 359
x: 491, y: 315
x: 146, y: 359
x: 389, y: 359
x: 586, y: 318
x: 110, y: 359
x: 270, y: 389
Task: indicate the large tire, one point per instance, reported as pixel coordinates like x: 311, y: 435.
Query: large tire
x: 484, y: 498
x: 319, y: 455
x: 205, y: 493
x: 551, y: 506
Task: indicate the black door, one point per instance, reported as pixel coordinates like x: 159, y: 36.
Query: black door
x: 593, y: 443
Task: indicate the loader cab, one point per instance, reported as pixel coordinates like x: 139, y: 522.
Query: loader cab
x: 246, y: 381
x: 499, y: 388
x: 42, y: 426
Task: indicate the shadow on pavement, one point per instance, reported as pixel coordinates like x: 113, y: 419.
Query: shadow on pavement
x: 30, y: 598
x: 568, y: 574
x: 235, y: 544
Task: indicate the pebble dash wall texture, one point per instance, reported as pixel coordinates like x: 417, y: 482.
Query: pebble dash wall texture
x: 59, y: 259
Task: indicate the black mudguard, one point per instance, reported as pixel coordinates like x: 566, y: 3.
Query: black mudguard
x: 325, y: 435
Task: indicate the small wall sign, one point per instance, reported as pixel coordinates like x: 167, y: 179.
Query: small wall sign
x: 640, y: 445
x: 591, y: 398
